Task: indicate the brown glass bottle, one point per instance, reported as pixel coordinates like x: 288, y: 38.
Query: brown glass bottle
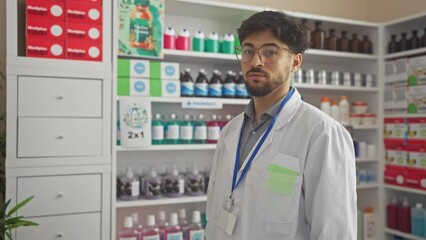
x: 354, y: 43
x: 403, y: 43
x: 308, y: 32
x: 343, y: 42
x: 331, y: 41
x: 393, y: 45
x: 366, y: 45
x: 414, y: 40
x: 423, y: 44
x: 318, y: 36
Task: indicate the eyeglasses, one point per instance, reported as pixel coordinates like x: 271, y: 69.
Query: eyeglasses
x: 267, y: 53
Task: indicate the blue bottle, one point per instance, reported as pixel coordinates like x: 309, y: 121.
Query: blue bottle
x: 418, y: 220
x: 229, y: 86
x: 241, y: 90
x: 215, y: 85
x: 201, y: 84
x: 187, y: 84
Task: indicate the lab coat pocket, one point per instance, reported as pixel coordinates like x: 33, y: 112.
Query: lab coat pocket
x: 279, y: 192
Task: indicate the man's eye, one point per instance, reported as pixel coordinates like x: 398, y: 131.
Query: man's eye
x: 270, y: 53
x: 247, y: 51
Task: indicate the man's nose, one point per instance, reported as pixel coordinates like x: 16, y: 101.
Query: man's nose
x: 256, y: 60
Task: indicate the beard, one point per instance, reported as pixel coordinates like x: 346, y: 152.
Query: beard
x: 271, y: 85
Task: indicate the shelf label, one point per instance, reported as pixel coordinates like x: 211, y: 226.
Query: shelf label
x: 201, y: 104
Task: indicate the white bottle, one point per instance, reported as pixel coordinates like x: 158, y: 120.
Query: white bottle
x: 344, y: 110
x: 325, y: 105
x: 335, y: 111
x: 369, y: 224
x: 196, y: 230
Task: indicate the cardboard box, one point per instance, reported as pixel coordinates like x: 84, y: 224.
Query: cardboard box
x: 396, y: 156
x: 416, y: 99
x: 416, y: 131
x: 46, y: 10
x: 164, y: 88
x: 395, y: 132
x: 45, y: 48
x: 84, y: 32
x: 417, y: 157
x: 127, y: 86
x: 390, y: 72
x: 164, y: 70
x: 38, y: 28
x: 83, y: 51
x: 416, y: 179
x: 395, y: 176
x: 84, y: 13
x: 417, y: 71
x: 135, y: 122
x: 133, y: 68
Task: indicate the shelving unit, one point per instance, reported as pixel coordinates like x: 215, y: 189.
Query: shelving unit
x: 368, y: 186
x: 177, y: 147
x: 405, y: 189
x: 161, y: 201
x: 402, y: 234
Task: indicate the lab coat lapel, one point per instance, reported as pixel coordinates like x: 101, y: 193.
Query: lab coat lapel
x: 231, y: 141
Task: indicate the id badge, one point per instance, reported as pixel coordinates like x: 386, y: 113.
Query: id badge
x: 228, y: 216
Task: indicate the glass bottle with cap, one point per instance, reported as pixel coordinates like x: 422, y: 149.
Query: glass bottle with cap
x: 393, y: 45
x: 343, y: 42
x: 414, y: 41
x: 331, y: 41
x: 403, y: 42
x: 354, y: 43
x: 318, y: 36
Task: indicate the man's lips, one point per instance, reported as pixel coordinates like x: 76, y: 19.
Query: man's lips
x: 256, y: 76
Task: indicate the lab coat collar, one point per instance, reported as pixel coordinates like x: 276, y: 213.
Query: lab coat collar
x: 285, y: 116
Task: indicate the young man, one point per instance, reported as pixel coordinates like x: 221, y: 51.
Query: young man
x: 282, y: 169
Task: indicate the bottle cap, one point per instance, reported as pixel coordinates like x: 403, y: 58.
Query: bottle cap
x: 200, y: 117
x: 195, y: 170
x: 229, y: 37
x: 182, y: 213
x: 129, y: 172
x: 196, y: 216
x: 170, y: 31
x: 187, y: 70
x: 162, y: 215
x: 325, y: 99
x: 153, y: 173
x: 184, y: 32
x: 128, y: 222
x: 150, y: 220
x: 213, y: 36
x: 135, y: 218
x: 368, y: 210
x: 202, y: 71
x: 343, y: 97
x: 334, y: 102
x: 173, y: 219
x: 175, y: 171
x: 199, y: 34
x: 419, y: 205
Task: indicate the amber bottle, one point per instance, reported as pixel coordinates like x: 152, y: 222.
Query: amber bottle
x: 308, y: 32
x: 343, y: 42
x: 354, y: 43
x: 414, y: 40
x: 403, y: 43
x: 366, y: 45
x: 423, y: 44
x: 331, y: 41
x: 393, y: 45
x: 318, y: 36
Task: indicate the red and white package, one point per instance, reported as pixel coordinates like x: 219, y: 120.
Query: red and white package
x: 84, y: 51
x: 396, y: 176
x: 84, y: 13
x: 417, y: 157
x: 96, y: 2
x: 416, y: 179
x: 416, y: 131
x: 84, y: 32
x: 395, y: 131
x: 47, y: 10
x: 45, y: 29
x: 45, y: 48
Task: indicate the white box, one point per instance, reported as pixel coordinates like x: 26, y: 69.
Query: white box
x: 135, y: 122
x: 139, y: 87
x: 170, y: 88
x: 170, y: 71
x: 139, y: 68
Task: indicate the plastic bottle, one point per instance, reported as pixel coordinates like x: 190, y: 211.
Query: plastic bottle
x: 201, y: 84
x: 169, y: 38
x: 196, y: 231
x: 369, y: 224
x: 198, y: 41
x: 173, y: 232
x: 418, y: 220
x: 241, y: 90
x: 187, y: 130
x: 183, y: 223
x: 157, y: 130
x: 393, y: 45
x: 213, y: 130
x: 360, y: 224
x: 414, y: 40
x: 212, y: 43
x: 366, y: 45
x: 172, y: 134
x: 403, y: 42
x: 344, y: 110
x: 118, y: 133
x: 331, y: 41
x: 151, y: 231
x: 318, y: 36
x: 194, y: 184
x: 404, y: 217
x: 335, y: 111
x: 354, y: 43
x: 215, y: 85
x: 325, y: 105
x: 130, y: 186
x: 183, y: 41
x: 128, y: 233
x: 174, y: 184
x: 229, y: 89
x: 392, y: 213
x: 200, y: 130
x: 152, y: 185
x: 223, y: 123
x: 228, y: 43
x: 187, y: 84
x: 162, y: 224
x: 136, y: 225
x: 343, y: 42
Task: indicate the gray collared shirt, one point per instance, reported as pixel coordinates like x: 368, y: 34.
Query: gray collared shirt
x: 253, y: 131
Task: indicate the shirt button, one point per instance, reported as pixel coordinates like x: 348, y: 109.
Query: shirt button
x: 254, y: 132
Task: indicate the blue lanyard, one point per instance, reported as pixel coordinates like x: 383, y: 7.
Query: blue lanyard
x: 235, y: 183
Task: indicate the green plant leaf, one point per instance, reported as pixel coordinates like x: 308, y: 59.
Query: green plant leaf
x: 3, y: 210
x: 9, y: 235
x: 19, y: 205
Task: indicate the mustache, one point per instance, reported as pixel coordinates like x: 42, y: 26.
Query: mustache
x: 258, y: 70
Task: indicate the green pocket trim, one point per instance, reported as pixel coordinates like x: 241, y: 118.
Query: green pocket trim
x: 281, y: 183
x: 274, y: 168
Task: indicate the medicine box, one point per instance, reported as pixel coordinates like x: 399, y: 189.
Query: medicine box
x: 84, y: 13
x: 396, y: 156
x: 39, y: 28
x: 164, y: 88
x: 96, y: 2
x: 40, y: 47
x: 133, y: 68
x: 417, y: 157
x: 416, y: 132
x: 127, y: 86
x: 83, y: 50
x: 164, y: 70
x: 46, y: 10
x: 395, y: 131
x: 84, y: 32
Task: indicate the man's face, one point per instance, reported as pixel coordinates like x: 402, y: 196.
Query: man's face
x: 263, y: 78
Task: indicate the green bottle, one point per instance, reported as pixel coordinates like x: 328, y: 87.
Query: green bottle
x: 200, y: 130
x: 186, y: 130
x: 172, y: 135
x: 157, y: 130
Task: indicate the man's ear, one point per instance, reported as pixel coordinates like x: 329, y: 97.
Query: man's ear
x: 297, y: 62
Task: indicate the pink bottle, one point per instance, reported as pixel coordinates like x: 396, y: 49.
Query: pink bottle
x: 174, y: 232
x: 404, y: 217
x: 162, y: 224
x: 169, y: 38
x: 392, y: 213
x: 183, y: 224
x: 150, y: 232
x: 183, y: 41
x: 136, y: 226
x: 128, y: 233
x: 213, y: 129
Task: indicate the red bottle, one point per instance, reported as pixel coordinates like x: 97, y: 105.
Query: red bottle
x: 183, y: 41
x: 392, y: 214
x: 169, y: 38
x: 213, y: 129
x: 404, y: 217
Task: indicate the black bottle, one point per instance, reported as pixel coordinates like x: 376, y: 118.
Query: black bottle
x: 414, y: 40
x: 393, y: 45
x: 343, y: 42
x: 403, y: 43
x: 187, y: 84
x: 215, y: 84
x: 241, y: 87
x: 201, y: 88
x: 229, y: 86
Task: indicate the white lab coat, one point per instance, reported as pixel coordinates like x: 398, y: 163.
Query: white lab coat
x: 322, y: 205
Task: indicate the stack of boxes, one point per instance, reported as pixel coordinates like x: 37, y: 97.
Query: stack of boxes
x: 70, y: 29
x: 148, y: 78
x: 405, y: 141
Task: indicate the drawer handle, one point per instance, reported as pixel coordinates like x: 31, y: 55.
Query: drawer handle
x: 61, y: 194
x: 60, y: 97
x: 60, y: 235
x: 61, y: 136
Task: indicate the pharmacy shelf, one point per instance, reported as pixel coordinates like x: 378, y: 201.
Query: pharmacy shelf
x: 224, y: 101
x: 402, y: 234
x: 335, y: 88
x: 408, y: 53
x: 407, y: 115
x: 367, y: 186
x: 366, y: 160
x: 372, y: 127
x: 405, y: 189
x: 169, y: 147
x: 161, y: 201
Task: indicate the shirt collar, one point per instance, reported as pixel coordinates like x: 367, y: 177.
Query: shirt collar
x: 271, y: 112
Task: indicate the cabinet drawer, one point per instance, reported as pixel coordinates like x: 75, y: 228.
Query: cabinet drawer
x: 60, y: 194
x: 49, y: 137
x: 56, y: 97
x: 69, y: 227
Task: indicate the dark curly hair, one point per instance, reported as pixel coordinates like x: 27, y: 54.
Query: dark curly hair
x: 286, y: 28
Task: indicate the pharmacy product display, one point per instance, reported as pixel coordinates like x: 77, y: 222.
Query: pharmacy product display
x: 404, y: 42
x: 333, y: 78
